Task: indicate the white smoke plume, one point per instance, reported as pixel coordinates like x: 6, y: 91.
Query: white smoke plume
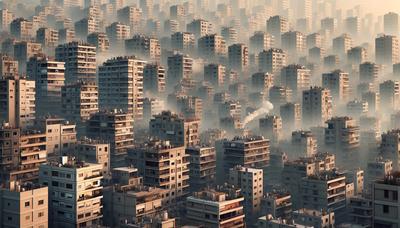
x: 265, y: 108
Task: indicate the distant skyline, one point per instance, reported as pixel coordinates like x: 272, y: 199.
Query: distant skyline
x: 373, y: 6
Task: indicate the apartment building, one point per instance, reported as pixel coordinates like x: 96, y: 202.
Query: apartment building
x: 79, y: 101
x: 126, y: 74
x: 60, y: 135
x: 202, y: 167
x: 76, y: 192
x: 171, y: 127
x: 18, y: 102
x: 117, y: 128
x: 338, y: 84
x: 154, y: 79
x: 250, y: 181
x: 94, y: 151
x: 343, y: 133
x: 316, y: 106
x: 80, y: 61
x: 385, y: 201
x: 49, y: 78
x: 247, y: 151
x: 24, y: 205
x: 272, y: 60
x: 271, y: 128
x: 221, y: 208
x: 163, y: 165
x: 296, y: 77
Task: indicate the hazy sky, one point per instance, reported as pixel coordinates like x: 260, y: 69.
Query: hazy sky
x: 376, y: 6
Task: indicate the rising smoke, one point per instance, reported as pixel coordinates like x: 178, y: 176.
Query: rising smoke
x: 265, y: 108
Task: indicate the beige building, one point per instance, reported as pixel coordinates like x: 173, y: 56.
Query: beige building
x: 60, y: 136
x: 260, y: 41
x: 48, y: 37
x: 294, y: 42
x: 262, y: 81
x: 132, y: 16
x: 152, y: 107
x: 385, y: 203
x: 280, y: 95
x: 238, y: 55
x: 277, y: 203
x: 199, y: 28
x: 23, y: 51
x: 80, y: 61
x: 180, y: 66
x: 250, y: 181
x: 291, y: 116
x: 100, y: 40
x: 343, y: 133
x: 8, y: 67
x: 202, y: 166
x: 215, y: 74
x: 230, y: 34
x: 24, y: 205
x: 94, y: 151
x: 49, y: 78
x: 117, y: 33
x: 23, y: 152
x: 116, y: 128
x: 212, y: 46
x: 121, y: 85
x: 304, y: 142
x: 357, y: 55
x: 294, y: 171
x: 171, y: 127
x: 296, y: 77
x: 76, y: 192
x: 132, y: 204
x: 163, y: 165
x: 86, y: 26
x: 21, y: 29
x: 370, y: 72
x: 18, y: 102
x: 154, y: 79
x: 247, y: 151
x: 389, y: 92
x: 276, y: 26
x: 387, y: 50
x: 325, y: 191
x: 316, y: 106
x: 183, y: 41
x: 314, y: 218
x: 6, y: 17
x: 221, y: 208
x: 390, y: 147
x: 271, y: 128
x: 338, y: 84
x: 66, y: 35
x: 272, y: 60
x: 144, y: 47
x: 79, y: 101
x: 341, y: 44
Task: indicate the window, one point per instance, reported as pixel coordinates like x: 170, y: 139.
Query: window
x: 385, y: 209
x: 41, y: 202
x: 69, y: 186
x: 27, y: 204
x: 395, y: 195
x: 54, y: 183
x: 386, y: 194
x: 40, y: 214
